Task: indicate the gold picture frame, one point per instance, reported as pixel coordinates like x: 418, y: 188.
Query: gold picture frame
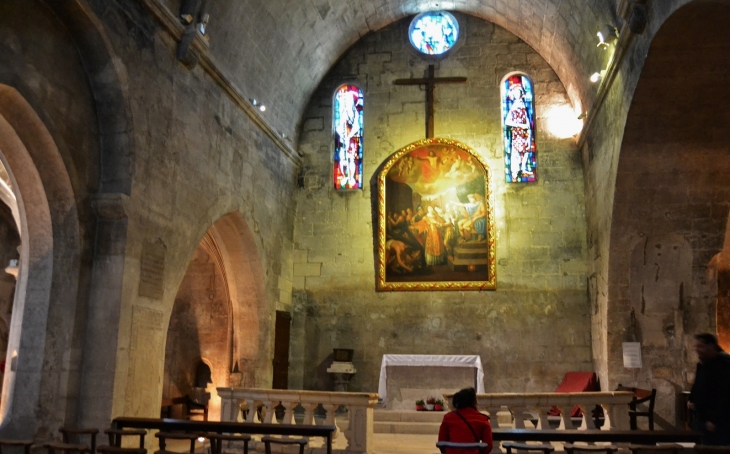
x: 436, y: 226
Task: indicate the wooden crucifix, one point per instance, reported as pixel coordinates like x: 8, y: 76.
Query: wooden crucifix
x: 430, y: 82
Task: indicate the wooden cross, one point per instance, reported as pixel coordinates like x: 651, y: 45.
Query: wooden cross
x: 430, y: 82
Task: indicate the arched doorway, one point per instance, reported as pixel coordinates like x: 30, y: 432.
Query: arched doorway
x: 219, y: 316
x: 671, y: 202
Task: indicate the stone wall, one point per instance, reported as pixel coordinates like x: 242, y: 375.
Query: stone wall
x: 536, y: 325
x: 657, y: 207
x: 198, y: 157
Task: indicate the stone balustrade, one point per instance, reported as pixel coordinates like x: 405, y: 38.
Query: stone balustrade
x: 359, y: 431
x: 534, y: 408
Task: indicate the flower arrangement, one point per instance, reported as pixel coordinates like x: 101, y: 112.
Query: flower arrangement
x: 420, y: 404
x: 438, y: 405
x: 430, y: 402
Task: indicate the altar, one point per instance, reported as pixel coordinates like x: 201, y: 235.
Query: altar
x: 407, y: 378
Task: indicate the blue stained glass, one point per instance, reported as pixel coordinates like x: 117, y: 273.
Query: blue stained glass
x: 518, y: 121
x: 348, y: 132
x: 434, y: 33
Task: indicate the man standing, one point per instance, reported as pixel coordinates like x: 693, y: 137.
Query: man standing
x: 710, y: 397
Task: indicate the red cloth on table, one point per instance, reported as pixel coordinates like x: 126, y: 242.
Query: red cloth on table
x: 576, y: 382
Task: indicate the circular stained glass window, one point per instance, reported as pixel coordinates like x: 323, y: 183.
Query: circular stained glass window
x: 434, y: 32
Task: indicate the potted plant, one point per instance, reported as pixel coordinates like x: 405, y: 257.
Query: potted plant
x: 438, y: 405
x: 420, y: 404
x: 430, y: 403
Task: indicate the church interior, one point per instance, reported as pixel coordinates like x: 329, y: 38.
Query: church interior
x: 202, y: 194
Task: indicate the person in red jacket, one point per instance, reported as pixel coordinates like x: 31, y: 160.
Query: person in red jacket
x: 466, y: 424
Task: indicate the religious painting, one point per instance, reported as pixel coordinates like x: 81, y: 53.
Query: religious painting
x: 518, y: 126
x: 435, y: 221
x: 434, y: 32
x: 348, y: 134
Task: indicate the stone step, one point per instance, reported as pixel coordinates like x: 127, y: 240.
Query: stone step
x: 408, y: 416
x: 417, y: 428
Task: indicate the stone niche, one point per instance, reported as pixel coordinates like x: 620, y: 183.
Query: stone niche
x: 660, y: 284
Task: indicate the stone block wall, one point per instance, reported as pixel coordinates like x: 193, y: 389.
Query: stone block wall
x: 536, y: 325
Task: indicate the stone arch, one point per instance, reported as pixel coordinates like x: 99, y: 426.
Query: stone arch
x: 109, y: 83
x: 229, y: 253
x: 49, y: 267
x: 670, y: 184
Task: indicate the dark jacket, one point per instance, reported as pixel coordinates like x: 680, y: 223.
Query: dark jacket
x: 711, y: 391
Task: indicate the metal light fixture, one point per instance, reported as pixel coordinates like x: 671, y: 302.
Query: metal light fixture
x: 258, y: 104
x: 595, y: 77
x: 606, y: 36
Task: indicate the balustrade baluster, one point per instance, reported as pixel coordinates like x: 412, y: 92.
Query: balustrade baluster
x: 518, y: 413
x: 331, y: 420
x: 269, y: 406
x: 309, y: 413
x: 565, y: 422
x: 493, y: 416
x: 587, y: 411
x: 542, y: 419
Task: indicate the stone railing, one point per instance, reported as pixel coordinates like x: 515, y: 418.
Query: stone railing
x: 533, y: 408
x: 359, y: 431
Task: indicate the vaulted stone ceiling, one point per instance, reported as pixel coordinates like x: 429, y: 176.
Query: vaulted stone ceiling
x: 279, y: 50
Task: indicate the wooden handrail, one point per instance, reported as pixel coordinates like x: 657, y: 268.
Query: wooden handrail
x: 595, y: 435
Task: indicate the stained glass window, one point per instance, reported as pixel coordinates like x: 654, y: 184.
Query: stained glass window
x: 518, y: 121
x: 348, y: 132
x: 434, y: 32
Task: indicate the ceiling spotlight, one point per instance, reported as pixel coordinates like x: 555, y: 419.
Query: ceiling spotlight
x: 262, y: 108
x: 595, y: 77
x: 606, y: 36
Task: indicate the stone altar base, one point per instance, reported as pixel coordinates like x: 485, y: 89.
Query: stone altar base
x: 407, y: 384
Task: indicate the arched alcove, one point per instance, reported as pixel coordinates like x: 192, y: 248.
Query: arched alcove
x: 48, y: 266
x: 671, y: 198
x: 217, y: 314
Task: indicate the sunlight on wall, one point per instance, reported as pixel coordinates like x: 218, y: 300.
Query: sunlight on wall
x: 562, y: 122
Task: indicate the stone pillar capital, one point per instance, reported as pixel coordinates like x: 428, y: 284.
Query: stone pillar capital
x: 112, y: 207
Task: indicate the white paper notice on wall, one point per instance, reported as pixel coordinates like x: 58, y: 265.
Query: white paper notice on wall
x: 632, y: 355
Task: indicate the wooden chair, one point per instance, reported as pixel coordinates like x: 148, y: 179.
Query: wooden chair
x: 570, y: 448
x: 7, y: 443
x: 653, y: 449
x: 190, y: 408
x: 66, y: 446
x: 302, y: 442
x: 640, y: 396
x: 216, y: 441
x: 164, y: 436
x: 115, y: 436
x: 443, y: 445
x: 118, y: 450
x: 544, y: 448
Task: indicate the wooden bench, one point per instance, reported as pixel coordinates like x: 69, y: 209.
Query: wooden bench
x: 190, y: 407
x: 182, y: 425
x: 639, y: 437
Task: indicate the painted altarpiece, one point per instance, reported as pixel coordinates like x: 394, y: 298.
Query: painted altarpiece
x: 435, y: 224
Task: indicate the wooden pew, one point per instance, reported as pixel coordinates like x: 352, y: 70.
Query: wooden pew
x: 645, y: 437
x: 182, y: 425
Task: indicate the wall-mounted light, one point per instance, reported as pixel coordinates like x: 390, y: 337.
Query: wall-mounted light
x: 258, y: 104
x: 595, y: 77
x: 606, y: 36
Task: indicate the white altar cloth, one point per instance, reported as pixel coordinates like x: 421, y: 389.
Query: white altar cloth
x: 430, y: 360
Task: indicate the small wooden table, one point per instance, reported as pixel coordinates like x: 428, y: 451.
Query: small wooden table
x: 183, y: 425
